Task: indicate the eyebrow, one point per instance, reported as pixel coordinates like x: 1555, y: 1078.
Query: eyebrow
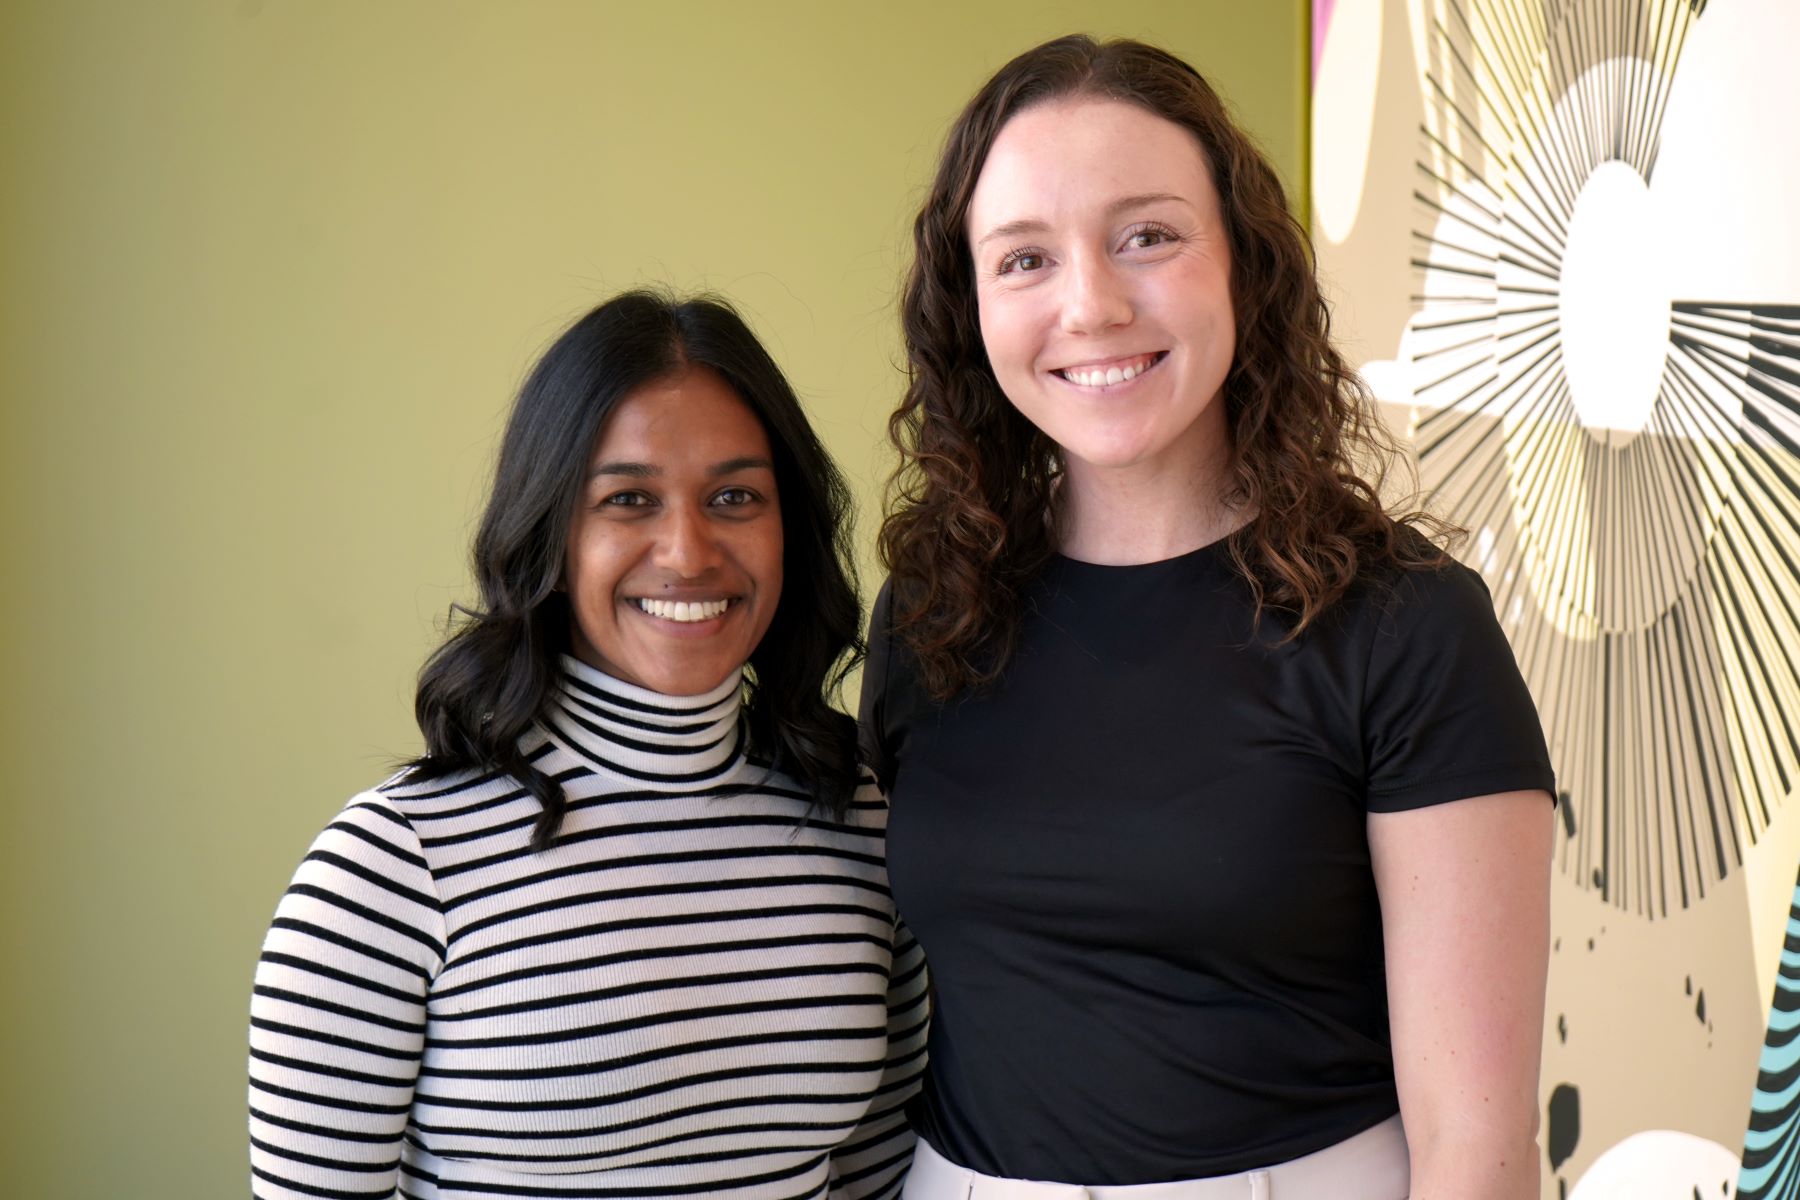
x: 636, y: 470
x: 733, y: 465
x: 1121, y: 205
x: 639, y: 470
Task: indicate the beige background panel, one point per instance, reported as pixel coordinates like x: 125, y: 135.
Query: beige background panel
x: 1768, y: 892
x: 1625, y: 1029
x: 1368, y: 317
x: 269, y: 273
x: 1625, y: 1020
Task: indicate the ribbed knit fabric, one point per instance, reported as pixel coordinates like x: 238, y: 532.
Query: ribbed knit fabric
x: 699, y: 991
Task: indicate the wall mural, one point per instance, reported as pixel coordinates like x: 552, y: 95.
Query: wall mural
x: 1560, y: 240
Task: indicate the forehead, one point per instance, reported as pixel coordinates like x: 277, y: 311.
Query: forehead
x: 692, y: 414
x: 1054, y: 159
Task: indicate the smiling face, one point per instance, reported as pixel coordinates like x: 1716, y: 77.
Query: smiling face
x: 1104, y: 279
x: 673, y: 563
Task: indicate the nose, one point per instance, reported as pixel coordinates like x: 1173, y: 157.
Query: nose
x: 689, y: 546
x: 1095, y: 297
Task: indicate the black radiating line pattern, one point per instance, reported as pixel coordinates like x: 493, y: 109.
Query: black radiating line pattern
x: 1650, y: 582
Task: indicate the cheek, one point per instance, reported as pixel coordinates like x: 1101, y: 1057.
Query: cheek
x: 1207, y: 294
x: 1221, y: 308
x: 1006, y: 334
x: 770, y: 572
x: 590, y: 571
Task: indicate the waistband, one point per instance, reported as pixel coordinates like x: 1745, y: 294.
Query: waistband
x: 1372, y: 1165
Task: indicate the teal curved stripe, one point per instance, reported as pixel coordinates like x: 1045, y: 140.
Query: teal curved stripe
x: 1783, y: 1022
x: 1776, y: 1102
x: 1771, y: 1160
x: 1764, y: 1139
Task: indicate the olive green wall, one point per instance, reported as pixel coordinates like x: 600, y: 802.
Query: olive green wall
x: 269, y: 272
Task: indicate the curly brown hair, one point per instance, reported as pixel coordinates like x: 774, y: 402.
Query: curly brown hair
x: 967, y: 528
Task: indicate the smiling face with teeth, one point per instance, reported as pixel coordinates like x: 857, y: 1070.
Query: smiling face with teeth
x: 1103, y: 275
x: 674, y: 558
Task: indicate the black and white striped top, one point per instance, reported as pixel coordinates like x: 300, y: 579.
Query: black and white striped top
x: 694, y: 993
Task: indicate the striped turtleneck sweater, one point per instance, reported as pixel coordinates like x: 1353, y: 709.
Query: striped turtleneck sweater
x: 700, y: 990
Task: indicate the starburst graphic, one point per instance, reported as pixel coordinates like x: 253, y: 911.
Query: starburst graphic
x: 1626, y: 450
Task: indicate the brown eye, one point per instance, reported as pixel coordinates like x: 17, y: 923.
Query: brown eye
x: 1148, y: 237
x: 1022, y: 260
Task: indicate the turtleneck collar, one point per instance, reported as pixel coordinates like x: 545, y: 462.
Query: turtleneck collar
x: 632, y: 731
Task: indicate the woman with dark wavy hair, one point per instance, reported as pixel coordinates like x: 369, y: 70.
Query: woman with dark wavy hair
x: 624, y: 928
x: 1219, y: 804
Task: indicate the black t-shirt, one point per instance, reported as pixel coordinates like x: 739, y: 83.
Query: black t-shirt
x: 1139, y: 864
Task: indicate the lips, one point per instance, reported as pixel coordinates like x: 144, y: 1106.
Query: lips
x: 1110, y: 372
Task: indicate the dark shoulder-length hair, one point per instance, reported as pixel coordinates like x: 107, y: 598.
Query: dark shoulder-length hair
x: 972, y: 505
x: 497, y: 672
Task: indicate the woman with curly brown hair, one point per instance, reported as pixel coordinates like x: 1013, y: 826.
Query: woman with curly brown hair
x: 1218, y: 802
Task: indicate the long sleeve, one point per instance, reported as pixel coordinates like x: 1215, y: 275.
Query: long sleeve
x: 872, y: 1162
x: 337, y: 1016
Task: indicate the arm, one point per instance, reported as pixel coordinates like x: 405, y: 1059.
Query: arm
x: 872, y: 1161
x: 1465, y: 910
x: 337, y: 1016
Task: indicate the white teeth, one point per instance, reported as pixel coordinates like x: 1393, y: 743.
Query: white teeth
x: 1106, y: 377
x: 685, y: 610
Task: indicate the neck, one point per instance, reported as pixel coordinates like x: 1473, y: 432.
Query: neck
x: 645, y: 735
x: 1145, y: 512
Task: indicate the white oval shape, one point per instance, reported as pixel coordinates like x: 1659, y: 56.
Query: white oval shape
x: 1614, y: 302
x: 1660, y: 1164
x: 1343, y: 115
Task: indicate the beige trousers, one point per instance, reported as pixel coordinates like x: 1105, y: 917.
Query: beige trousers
x: 1372, y: 1165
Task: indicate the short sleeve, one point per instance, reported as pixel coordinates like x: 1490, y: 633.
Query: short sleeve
x: 1446, y: 713
x: 872, y: 739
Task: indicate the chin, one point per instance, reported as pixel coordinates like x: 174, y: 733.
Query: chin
x: 1110, y: 457
x: 693, y: 682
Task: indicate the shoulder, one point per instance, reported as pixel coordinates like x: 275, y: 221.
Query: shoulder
x: 370, y: 856
x: 1418, y: 623
x: 419, y: 795
x: 1391, y: 600
x: 374, y: 811
x: 1449, y: 595
x: 414, y: 786
x: 363, y: 891
x: 456, y: 815
x: 371, y: 833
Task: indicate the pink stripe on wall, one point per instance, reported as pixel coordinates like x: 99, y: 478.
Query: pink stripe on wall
x: 1321, y: 17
